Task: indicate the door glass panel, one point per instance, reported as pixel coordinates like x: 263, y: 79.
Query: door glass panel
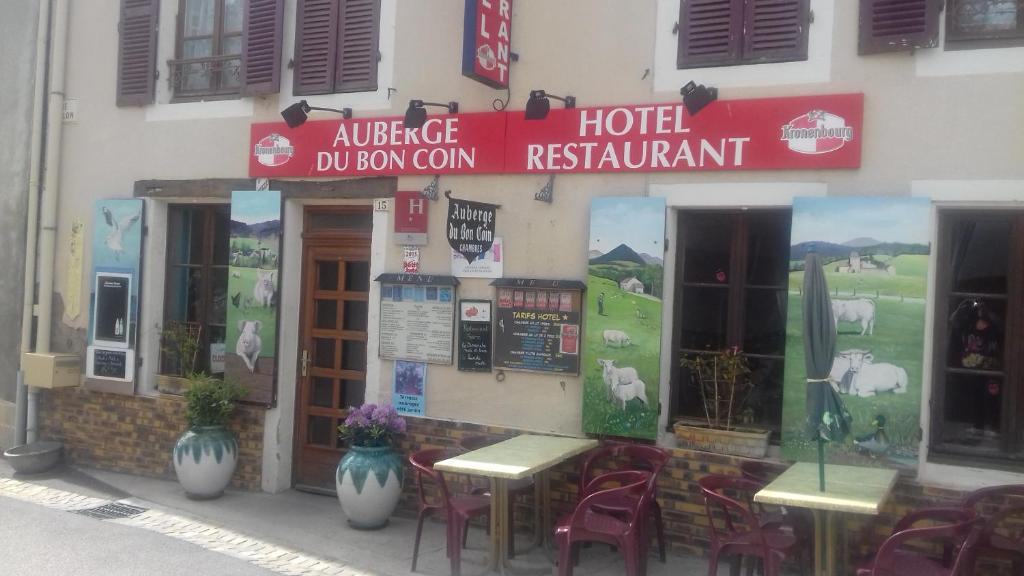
x: 199, y: 17
x: 353, y: 355
x: 327, y: 275
x: 767, y: 249
x: 976, y: 329
x: 707, y: 238
x: 320, y: 431
x: 764, y: 324
x: 322, y: 392
x: 981, y: 256
x: 357, y: 276
x: 352, y: 393
x: 355, y: 315
x: 232, y: 17
x: 184, y: 298
x: 186, y: 240
x: 705, y: 312
x: 221, y: 236
x: 326, y: 314
x: 323, y: 352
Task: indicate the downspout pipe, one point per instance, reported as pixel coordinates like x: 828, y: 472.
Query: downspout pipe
x: 48, y: 202
x: 32, y: 217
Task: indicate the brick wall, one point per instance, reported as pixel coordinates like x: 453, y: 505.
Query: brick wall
x: 135, y: 434
x: 682, y: 505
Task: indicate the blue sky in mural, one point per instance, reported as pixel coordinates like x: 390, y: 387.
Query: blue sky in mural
x: 254, y: 207
x: 840, y: 220
x: 635, y: 222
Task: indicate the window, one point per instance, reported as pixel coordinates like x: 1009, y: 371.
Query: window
x: 984, y: 23
x: 733, y: 275
x: 978, y: 411
x: 209, y: 49
x: 731, y: 32
x: 336, y: 46
x: 196, y: 289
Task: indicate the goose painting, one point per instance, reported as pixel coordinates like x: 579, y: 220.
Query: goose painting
x: 115, y: 236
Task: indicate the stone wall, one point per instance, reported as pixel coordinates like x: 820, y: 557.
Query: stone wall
x: 135, y: 434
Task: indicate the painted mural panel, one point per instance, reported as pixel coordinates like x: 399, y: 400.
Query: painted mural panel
x: 116, y: 247
x: 253, y: 285
x: 875, y: 253
x: 622, y: 344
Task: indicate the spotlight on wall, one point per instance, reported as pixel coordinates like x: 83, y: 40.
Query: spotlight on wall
x: 697, y: 96
x: 538, y: 106
x: 416, y: 115
x: 296, y: 114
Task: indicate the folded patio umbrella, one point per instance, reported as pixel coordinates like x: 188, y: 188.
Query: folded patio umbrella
x: 828, y: 420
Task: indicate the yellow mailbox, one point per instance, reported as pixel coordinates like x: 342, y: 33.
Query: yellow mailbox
x: 51, y: 370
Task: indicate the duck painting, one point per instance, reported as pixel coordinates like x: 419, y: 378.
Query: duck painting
x: 876, y: 443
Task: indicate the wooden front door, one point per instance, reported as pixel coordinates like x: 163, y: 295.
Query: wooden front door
x: 332, y: 354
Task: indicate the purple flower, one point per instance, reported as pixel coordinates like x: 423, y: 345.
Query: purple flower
x: 397, y: 425
x: 381, y: 416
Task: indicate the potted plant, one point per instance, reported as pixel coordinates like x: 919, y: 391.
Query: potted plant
x: 369, y: 477
x: 179, y: 343
x: 723, y: 380
x: 206, y: 454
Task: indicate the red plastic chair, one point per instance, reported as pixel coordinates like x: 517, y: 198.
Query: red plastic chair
x: 799, y: 520
x: 642, y: 457
x: 588, y: 524
x: 747, y: 536
x: 999, y: 540
x: 458, y: 509
x: 516, y: 488
x: 959, y: 531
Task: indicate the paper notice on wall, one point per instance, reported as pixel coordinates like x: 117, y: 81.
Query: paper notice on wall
x: 411, y: 260
x: 489, y: 265
x: 217, y: 353
x: 410, y: 384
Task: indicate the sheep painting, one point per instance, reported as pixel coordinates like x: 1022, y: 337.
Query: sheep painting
x: 618, y: 338
x: 624, y: 384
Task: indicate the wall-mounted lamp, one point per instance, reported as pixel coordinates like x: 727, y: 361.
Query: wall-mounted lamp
x: 416, y: 115
x: 538, y: 106
x: 296, y: 114
x: 697, y: 96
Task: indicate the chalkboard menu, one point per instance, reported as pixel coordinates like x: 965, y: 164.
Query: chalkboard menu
x: 111, y: 363
x: 538, y: 325
x: 417, y: 317
x: 475, y: 335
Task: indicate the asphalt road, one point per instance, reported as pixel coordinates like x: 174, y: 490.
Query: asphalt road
x: 37, y: 541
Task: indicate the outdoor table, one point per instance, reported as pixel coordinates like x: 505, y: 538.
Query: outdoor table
x: 515, y: 459
x: 848, y: 490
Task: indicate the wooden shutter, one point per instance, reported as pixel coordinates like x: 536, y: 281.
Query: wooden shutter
x: 775, y: 30
x: 893, y: 25
x: 359, y: 33
x: 136, y: 52
x: 261, y: 46
x: 709, y: 32
x: 316, y: 43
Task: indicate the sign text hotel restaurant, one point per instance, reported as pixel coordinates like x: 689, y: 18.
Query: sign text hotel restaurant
x: 806, y: 132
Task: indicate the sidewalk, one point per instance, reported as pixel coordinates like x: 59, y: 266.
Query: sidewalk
x: 295, y: 532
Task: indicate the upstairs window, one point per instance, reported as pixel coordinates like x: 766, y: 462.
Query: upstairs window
x: 984, y: 23
x: 209, y: 49
x: 336, y: 46
x: 732, y: 32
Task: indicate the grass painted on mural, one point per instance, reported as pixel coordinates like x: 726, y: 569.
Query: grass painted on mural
x: 898, y: 339
x: 252, y: 252
x: 904, y: 277
x: 639, y: 317
x: 243, y: 304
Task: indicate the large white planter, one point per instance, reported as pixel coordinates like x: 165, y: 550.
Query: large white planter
x: 369, y: 483
x: 204, y: 460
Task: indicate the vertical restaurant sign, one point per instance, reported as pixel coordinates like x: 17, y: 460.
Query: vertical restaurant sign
x: 252, y: 299
x: 411, y: 218
x: 470, y: 227
x: 793, y: 133
x: 486, y: 41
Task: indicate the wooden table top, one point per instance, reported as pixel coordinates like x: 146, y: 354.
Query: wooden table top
x: 854, y: 489
x: 519, y: 457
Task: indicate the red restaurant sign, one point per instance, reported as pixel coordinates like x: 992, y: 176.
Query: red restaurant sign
x: 798, y: 133
x: 486, y: 41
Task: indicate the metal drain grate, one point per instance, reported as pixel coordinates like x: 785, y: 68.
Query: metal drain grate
x: 112, y: 511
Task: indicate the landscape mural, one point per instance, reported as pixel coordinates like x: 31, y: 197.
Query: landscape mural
x: 875, y: 253
x: 622, y: 349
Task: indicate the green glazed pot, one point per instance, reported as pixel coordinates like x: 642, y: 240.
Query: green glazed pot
x: 204, y: 460
x: 369, y: 483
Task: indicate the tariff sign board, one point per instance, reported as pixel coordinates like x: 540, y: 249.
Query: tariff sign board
x: 486, y: 41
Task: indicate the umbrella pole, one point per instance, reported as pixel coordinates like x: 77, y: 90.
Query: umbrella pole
x: 821, y: 464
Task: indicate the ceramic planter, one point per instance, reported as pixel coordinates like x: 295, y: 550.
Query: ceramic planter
x: 204, y: 460
x: 736, y: 442
x: 369, y: 483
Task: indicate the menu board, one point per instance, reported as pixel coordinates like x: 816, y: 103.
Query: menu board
x: 417, y: 318
x: 475, y: 335
x: 108, y: 363
x: 538, y: 325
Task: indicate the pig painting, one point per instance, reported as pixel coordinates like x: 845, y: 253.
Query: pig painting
x: 249, y: 343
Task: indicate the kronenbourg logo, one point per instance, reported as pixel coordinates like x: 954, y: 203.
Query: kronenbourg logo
x: 274, y: 150
x: 817, y: 132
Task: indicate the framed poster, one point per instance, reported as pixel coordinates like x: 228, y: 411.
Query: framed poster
x: 111, y: 309
x: 410, y: 385
x: 535, y: 338
x: 475, y: 335
x: 253, y: 282
x: 417, y: 317
x: 622, y: 350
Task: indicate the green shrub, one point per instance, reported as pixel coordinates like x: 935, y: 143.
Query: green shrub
x: 210, y: 401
